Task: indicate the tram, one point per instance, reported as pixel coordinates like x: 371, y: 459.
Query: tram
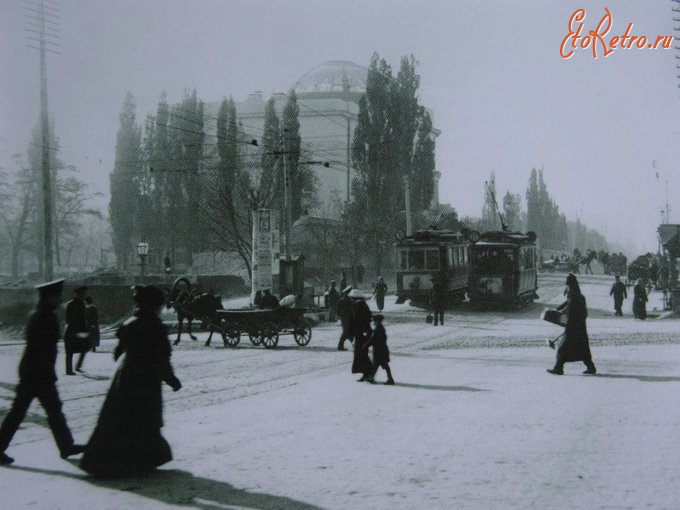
x: 503, y: 269
x: 494, y: 269
x: 433, y: 255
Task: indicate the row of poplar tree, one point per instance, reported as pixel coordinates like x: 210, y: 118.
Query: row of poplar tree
x: 542, y: 216
x: 167, y: 189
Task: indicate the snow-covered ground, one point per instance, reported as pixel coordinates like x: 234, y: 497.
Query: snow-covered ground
x: 473, y: 422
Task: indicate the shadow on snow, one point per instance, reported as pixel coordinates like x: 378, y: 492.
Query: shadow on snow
x: 181, y: 488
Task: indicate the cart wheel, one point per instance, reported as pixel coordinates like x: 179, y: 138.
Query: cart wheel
x: 254, y: 337
x: 269, y: 335
x: 232, y: 336
x: 302, y: 333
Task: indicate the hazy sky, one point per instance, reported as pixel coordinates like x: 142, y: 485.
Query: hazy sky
x: 491, y: 72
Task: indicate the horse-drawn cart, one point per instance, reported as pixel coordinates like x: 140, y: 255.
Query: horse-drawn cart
x: 264, y: 327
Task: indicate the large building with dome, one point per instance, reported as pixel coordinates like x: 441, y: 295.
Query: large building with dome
x: 328, y: 99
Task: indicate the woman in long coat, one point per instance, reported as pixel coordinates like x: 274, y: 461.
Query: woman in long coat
x: 575, y: 346
x: 640, y: 300
x: 127, y: 438
x: 361, y: 326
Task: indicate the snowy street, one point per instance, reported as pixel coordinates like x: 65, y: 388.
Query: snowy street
x: 474, y: 420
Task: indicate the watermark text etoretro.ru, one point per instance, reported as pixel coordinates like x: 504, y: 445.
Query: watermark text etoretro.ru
x: 595, y: 39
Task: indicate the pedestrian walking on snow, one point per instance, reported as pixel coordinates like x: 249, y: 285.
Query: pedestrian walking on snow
x: 332, y: 297
x: 379, y: 293
x: 345, y: 308
x: 619, y: 292
x: 381, y: 353
x: 361, y: 326
x: 77, y: 333
x: 575, y: 346
x: 640, y: 300
x: 37, y: 375
x: 438, y: 300
x: 127, y: 439
x: 92, y: 316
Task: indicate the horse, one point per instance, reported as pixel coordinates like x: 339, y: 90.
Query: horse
x: 191, y: 305
x: 180, y: 299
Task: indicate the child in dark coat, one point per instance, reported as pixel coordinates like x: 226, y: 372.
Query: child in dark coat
x: 381, y: 353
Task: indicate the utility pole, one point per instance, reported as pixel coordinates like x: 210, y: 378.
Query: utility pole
x: 41, y: 22
x: 349, y: 120
x: 407, y: 203
x: 286, y: 195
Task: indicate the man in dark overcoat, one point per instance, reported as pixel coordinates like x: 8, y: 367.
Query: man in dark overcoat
x: 343, y: 281
x: 332, y: 298
x: 619, y: 292
x: 438, y: 300
x: 37, y: 376
x: 575, y: 346
x: 345, y: 308
x: 381, y: 353
x: 77, y: 333
x: 380, y: 291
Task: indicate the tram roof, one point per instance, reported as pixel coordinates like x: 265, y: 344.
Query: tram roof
x: 433, y: 236
x: 505, y: 239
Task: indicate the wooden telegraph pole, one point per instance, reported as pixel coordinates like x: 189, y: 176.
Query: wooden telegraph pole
x: 41, y: 21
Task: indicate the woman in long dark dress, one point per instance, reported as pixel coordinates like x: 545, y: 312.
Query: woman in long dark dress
x: 575, y: 346
x: 361, y: 326
x: 640, y: 300
x: 127, y: 439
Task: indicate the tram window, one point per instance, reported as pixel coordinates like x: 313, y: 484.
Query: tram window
x: 495, y: 260
x: 466, y: 255
x: 416, y: 259
x: 449, y: 257
x: 432, y: 259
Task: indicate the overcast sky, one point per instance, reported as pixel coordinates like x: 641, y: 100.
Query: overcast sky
x: 491, y: 72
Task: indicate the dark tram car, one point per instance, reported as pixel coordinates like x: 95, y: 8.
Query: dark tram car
x: 427, y: 254
x: 503, y: 270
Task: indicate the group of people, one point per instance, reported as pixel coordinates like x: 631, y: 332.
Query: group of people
x: 619, y: 293
x: 355, y: 318
x: 333, y: 295
x: 127, y: 438
x: 82, y: 329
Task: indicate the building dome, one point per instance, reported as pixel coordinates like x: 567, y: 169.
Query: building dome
x: 333, y: 76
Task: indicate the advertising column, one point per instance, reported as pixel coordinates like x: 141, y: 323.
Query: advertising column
x: 262, y: 251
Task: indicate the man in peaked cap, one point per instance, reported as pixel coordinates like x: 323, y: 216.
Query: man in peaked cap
x: 37, y: 376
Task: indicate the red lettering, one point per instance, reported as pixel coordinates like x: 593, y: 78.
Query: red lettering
x: 626, y: 36
x: 598, y: 34
x: 597, y: 37
x: 579, y: 15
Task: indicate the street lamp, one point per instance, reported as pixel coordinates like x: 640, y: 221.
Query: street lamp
x: 142, y: 251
